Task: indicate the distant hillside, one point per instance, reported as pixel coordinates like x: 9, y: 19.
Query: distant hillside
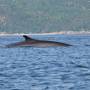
x: 25, y: 16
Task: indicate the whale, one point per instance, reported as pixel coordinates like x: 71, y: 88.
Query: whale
x: 31, y: 42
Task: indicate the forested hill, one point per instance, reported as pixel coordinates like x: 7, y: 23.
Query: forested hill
x: 26, y: 16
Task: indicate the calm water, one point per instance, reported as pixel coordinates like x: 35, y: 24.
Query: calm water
x: 53, y: 68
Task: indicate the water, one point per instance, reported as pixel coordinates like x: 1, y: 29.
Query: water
x: 53, y: 68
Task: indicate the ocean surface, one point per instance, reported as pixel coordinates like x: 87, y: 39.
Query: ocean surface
x: 50, y: 68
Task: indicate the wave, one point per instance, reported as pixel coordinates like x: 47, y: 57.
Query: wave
x: 50, y: 33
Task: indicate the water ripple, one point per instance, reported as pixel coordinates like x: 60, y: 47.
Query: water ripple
x: 55, y: 68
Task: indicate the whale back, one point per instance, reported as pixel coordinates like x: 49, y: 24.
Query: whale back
x: 27, y: 38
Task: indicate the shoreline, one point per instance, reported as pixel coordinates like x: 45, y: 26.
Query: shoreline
x: 50, y: 33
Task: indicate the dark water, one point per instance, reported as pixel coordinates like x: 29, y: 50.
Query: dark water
x: 53, y: 68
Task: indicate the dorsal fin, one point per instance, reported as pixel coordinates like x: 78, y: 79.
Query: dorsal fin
x: 27, y: 38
